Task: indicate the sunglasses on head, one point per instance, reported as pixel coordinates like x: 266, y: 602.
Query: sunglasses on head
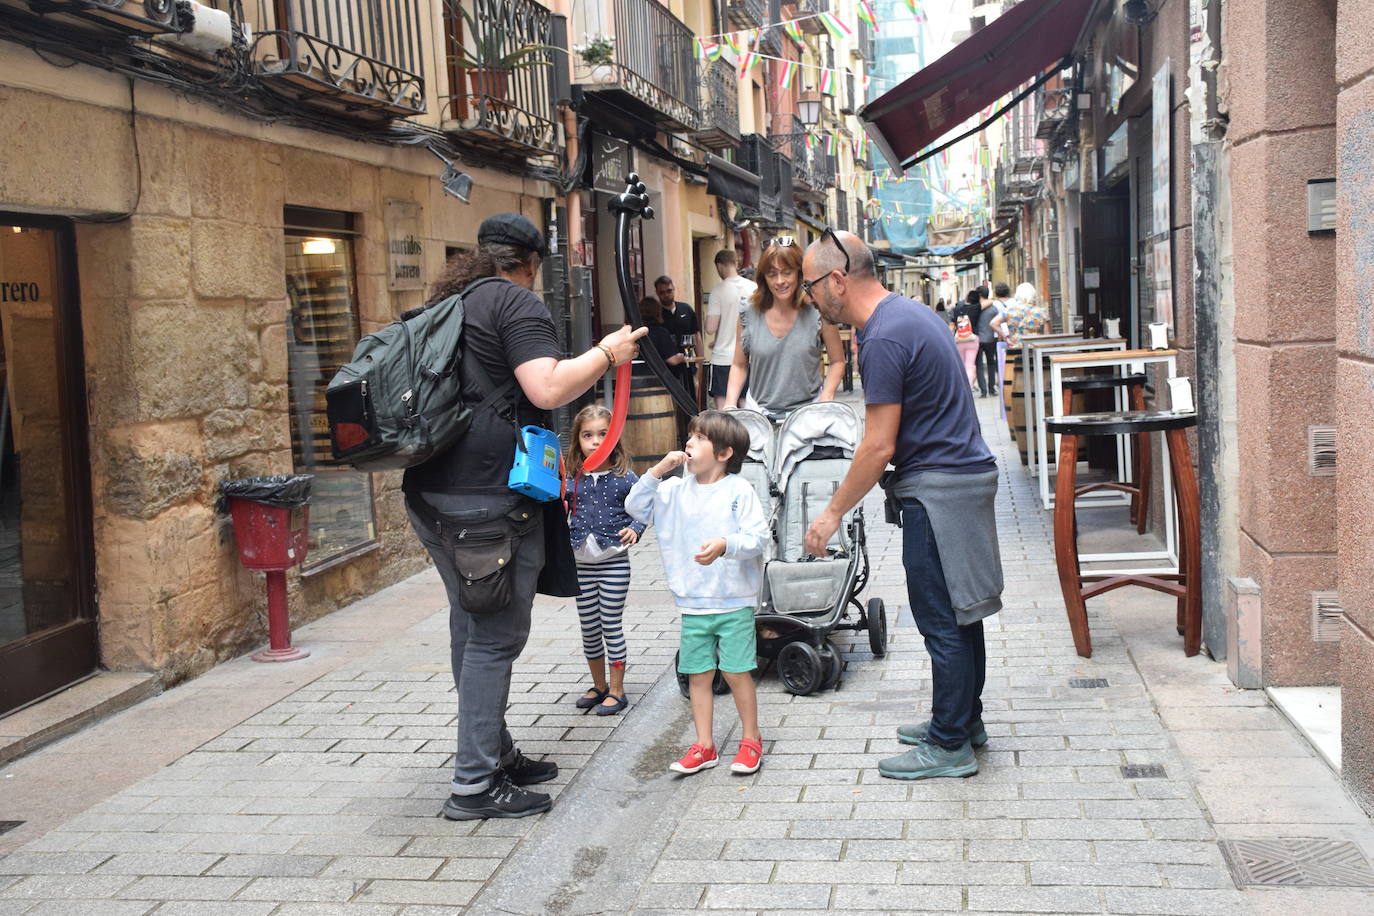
x: 808, y: 285
x: 785, y: 241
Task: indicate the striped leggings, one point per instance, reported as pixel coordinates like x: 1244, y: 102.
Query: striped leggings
x: 600, y: 605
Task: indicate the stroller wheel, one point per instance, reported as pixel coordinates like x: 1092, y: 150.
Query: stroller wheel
x: 833, y: 662
x: 799, y: 666
x: 682, y: 682
x: 877, y: 627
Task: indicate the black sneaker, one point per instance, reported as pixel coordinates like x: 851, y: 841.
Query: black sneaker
x: 526, y: 772
x: 503, y: 798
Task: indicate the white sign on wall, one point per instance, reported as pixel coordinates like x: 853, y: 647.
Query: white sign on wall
x: 1160, y: 193
x: 405, y: 250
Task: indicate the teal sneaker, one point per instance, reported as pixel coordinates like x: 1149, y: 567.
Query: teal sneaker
x: 927, y: 761
x: 915, y: 734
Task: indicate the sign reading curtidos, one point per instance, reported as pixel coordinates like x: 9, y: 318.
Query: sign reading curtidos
x: 405, y: 252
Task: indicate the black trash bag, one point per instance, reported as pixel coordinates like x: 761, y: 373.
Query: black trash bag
x: 284, y: 491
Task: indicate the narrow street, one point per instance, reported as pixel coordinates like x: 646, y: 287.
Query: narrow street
x: 1109, y: 784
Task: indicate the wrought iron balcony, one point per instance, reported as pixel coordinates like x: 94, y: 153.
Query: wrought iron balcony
x: 864, y: 46
x: 842, y: 208
x: 851, y: 102
x: 811, y: 8
x: 639, y: 50
x: 509, y: 106
x: 826, y: 168
x: 720, y: 108
x: 770, y: 39
x: 350, y: 56
x: 758, y: 156
x: 788, y: 137
x: 746, y: 14
x: 1054, y: 107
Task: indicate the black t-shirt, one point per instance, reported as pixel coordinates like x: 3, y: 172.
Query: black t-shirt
x: 969, y: 311
x: 682, y: 321
x: 504, y: 325
x: 661, y: 340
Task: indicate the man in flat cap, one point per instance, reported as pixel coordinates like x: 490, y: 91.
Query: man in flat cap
x: 475, y: 527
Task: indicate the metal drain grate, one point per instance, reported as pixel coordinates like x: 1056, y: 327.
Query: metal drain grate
x: 1297, y: 863
x: 1143, y: 771
x: 7, y: 826
x: 1087, y: 682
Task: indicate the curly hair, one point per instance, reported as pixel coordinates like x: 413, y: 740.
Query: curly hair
x: 783, y: 257
x: 488, y: 259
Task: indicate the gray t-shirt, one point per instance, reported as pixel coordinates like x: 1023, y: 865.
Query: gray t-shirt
x: 784, y: 373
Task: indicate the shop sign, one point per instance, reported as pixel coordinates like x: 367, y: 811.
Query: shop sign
x: 405, y: 250
x: 610, y: 163
x: 19, y: 291
x: 1160, y: 193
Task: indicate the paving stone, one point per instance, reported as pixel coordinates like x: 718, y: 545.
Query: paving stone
x: 687, y: 871
x: 309, y: 889
x: 174, y: 888
x: 763, y: 896
x: 50, y: 863
x: 1029, y: 851
x: 897, y: 898
x: 1160, y: 851
x: 61, y: 887
x: 914, y: 850
x: 215, y: 908
x: 152, y: 863
x: 265, y: 866
x: 76, y: 907
x: 1095, y: 874
x: 970, y: 873
x: 442, y: 893
x: 1174, y: 902
x: 1033, y: 900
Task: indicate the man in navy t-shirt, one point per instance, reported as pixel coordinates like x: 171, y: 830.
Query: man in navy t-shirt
x: 919, y: 415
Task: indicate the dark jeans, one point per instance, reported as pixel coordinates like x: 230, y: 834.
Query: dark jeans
x: 958, y: 660
x: 986, y: 363
x: 483, y: 647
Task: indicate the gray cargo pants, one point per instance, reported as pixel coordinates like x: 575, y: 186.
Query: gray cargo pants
x: 484, y: 647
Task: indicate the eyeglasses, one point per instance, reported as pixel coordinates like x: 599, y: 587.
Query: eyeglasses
x: 808, y: 285
x: 784, y: 241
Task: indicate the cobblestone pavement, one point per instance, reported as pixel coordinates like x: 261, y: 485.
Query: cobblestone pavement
x: 324, y: 802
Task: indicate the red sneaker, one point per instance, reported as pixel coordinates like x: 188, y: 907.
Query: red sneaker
x: 749, y: 758
x: 696, y: 759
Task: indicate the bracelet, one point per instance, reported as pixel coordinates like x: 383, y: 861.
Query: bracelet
x: 610, y: 357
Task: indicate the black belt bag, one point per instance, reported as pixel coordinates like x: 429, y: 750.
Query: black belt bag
x: 483, y: 552
x: 892, y: 506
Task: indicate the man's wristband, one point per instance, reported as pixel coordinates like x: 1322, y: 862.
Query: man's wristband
x: 606, y: 351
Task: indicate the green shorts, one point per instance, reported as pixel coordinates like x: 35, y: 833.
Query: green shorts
x: 729, y: 636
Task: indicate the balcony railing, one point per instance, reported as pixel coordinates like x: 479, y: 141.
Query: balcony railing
x: 720, y: 108
x: 826, y: 169
x: 811, y: 8
x: 746, y: 14
x: 770, y: 39
x: 789, y: 138
x: 864, y: 46
x: 1053, y: 109
x: 653, y: 60
x: 758, y: 156
x: 353, y: 56
x: 841, y: 210
x: 514, y: 106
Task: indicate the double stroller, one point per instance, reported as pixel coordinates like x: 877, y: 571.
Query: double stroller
x: 805, y: 599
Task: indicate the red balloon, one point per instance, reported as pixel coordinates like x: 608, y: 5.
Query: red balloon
x: 619, y: 408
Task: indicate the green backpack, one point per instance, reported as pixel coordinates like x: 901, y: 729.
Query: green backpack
x: 399, y: 401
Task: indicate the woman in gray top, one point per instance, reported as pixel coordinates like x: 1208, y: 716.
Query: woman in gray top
x: 780, y: 338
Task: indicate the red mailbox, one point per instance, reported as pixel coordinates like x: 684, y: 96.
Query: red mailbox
x: 272, y: 528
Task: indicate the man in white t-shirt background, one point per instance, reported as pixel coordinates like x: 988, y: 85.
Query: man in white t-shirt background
x: 722, y: 320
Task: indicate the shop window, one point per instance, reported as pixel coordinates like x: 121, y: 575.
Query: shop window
x: 321, y: 331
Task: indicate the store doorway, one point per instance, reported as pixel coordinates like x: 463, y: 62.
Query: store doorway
x: 47, y: 607
x: 1105, y: 278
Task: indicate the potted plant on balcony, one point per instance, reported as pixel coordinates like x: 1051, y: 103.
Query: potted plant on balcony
x: 598, y: 52
x: 488, y: 66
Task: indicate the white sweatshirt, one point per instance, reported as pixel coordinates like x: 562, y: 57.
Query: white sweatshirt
x: 687, y: 514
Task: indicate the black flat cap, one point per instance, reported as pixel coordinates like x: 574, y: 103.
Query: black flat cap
x: 512, y: 229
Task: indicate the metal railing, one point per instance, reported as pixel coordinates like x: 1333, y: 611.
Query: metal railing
x: 365, y: 54
x: 842, y: 213
x: 746, y: 13
x: 826, y: 169
x: 811, y: 8
x: 770, y: 39
x: 720, y: 108
x: 789, y: 138
x: 653, y: 50
x: 758, y: 156
x: 513, y: 104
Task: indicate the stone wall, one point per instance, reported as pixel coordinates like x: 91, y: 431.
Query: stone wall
x: 184, y: 309
x: 1282, y: 102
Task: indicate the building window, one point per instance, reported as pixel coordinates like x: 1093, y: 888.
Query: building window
x: 321, y: 331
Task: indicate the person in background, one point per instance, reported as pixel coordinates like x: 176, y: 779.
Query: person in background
x: 940, y: 305
x: 681, y: 321
x: 989, y: 331
x: 965, y: 321
x: 722, y: 320
x: 779, y: 339
x: 1023, y: 315
x: 658, y: 337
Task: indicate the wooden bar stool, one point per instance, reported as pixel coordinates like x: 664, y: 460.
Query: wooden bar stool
x: 1141, y: 469
x: 1185, y: 585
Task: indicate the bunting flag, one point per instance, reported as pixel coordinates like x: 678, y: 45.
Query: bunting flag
x: 793, y: 31
x: 866, y: 14
x: 747, y: 61
x: 732, y: 41
x: 827, y: 81
x: 830, y: 144
x: 785, y: 74
x: 810, y: 140
x: 835, y: 26
x: 708, y: 49
x: 864, y: 81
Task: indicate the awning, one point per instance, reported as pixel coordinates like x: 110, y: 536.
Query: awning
x: 978, y: 246
x: 725, y: 179
x: 994, y: 61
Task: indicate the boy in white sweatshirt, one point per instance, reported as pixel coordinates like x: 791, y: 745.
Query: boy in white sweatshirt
x: 711, y: 532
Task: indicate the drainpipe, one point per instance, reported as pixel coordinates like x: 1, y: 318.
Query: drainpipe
x: 573, y: 200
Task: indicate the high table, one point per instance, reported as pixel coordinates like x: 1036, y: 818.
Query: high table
x: 1185, y: 584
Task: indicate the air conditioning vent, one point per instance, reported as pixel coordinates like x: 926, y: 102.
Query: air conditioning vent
x: 1321, y: 451
x: 1327, y: 617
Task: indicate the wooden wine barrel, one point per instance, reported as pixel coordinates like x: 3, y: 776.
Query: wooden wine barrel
x: 1016, y: 410
x: 1008, y: 379
x: 650, y: 425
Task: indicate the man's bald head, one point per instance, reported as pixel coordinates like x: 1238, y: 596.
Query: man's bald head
x: 824, y: 256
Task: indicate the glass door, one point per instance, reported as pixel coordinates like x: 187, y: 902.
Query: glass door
x: 47, y: 615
